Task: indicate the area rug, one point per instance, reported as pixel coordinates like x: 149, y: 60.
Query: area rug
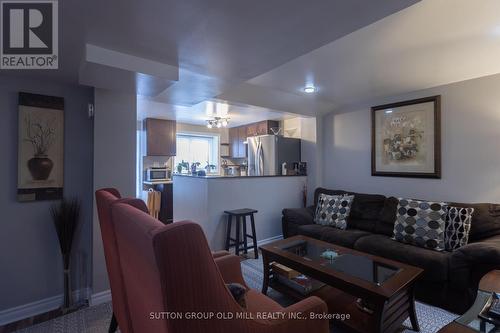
x: 95, y: 319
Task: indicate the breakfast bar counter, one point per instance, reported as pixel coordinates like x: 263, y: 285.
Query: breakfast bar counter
x: 203, y: 199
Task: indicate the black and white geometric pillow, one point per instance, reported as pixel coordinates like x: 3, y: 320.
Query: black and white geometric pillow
x: 333, y: 210
x: 421, y: 223
x: 458, y: 222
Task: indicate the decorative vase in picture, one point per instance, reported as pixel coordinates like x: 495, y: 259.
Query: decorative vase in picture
x: 41, y: 147
x: 40, y: 167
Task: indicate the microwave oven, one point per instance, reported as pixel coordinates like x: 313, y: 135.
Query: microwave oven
x: 153, y: 174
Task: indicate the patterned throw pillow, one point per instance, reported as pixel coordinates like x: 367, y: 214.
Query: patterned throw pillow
x: 421, y: 223
x: 333, y: 210
x: 458, y: 222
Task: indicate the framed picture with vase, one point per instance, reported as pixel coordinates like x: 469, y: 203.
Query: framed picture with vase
x: 406, y: 138
x: 40, y: 174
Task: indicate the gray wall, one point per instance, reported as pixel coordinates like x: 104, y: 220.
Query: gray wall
x: 470, y: 146
x: 115, y: 144
x: 30, y: 260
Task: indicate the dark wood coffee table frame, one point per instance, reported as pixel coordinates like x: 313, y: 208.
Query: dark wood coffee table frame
x: 393, y: 301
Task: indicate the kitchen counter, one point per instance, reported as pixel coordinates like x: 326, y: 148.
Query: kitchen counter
x: 219, y: 176
x: 158, y: 182
x: 203, y: 199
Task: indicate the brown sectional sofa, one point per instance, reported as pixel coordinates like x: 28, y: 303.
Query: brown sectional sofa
x: 450, y: 279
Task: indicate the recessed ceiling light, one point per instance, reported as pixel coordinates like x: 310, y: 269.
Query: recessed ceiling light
x: 388, y: 111
x: 309, y: 89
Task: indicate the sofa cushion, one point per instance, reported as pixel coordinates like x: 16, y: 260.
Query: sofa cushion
x: 387, y: 217
x: 367, y: 206
x: 345, y: 238
x: 421, y: 223
x: 435, y: 264
x: 362, y: 224
x: 333, y: 210
x: 312, y: 230
x: 321, y: 190
x: 332, y: 235
x: 458, y: 220
x: 485, y: 222
x: 365, y: 210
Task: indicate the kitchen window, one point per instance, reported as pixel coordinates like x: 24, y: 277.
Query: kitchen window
x: 198, y: 148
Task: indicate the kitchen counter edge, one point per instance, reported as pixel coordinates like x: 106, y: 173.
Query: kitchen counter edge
x: 225, y: 177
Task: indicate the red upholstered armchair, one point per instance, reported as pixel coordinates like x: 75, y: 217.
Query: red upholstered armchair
x: 104, y: 198
x: 169, y: 276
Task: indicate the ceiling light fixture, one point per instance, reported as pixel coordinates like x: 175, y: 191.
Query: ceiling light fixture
x: 309, y: 89
x: 217, y: 122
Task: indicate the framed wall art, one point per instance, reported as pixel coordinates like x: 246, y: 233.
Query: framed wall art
x: 406, y: 138
x: 40, y: 147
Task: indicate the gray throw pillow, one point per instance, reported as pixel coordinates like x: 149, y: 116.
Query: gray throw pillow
x: 458, y: 222
x: 333, y: 210
x: 421, y: 223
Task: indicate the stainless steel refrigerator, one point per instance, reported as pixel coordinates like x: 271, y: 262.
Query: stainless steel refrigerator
x: 266, y: 154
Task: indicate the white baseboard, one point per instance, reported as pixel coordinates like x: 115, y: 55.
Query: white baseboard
x: 38, y: 307
x: 100, y: 297
x: 265, y: 241
x: 269, y: 240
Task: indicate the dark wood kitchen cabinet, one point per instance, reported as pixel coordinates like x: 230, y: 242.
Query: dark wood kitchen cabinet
x: 237, y: 137
x: 160, y: 137
x: 242, y: 137
x: 262, y: 127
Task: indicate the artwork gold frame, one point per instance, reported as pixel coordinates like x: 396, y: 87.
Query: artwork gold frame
x: 406, y: 138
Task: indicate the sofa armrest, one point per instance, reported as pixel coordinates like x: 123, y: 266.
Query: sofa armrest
x: 472, y: 261
x: 486, y: 251
x: 294, y: 217
x: 230, y: 269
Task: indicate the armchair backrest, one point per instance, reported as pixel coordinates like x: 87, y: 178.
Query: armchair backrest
x: 169, y: 268
x: 104, y: 199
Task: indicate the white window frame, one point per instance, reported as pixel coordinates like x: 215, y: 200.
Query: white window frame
x: 215, y: 149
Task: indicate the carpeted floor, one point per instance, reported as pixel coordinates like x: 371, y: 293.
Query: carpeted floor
x: 95, y: 319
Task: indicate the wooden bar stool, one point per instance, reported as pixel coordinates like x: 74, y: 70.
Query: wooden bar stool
x: 240, y: 217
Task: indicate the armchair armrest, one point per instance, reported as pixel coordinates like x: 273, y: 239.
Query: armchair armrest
x: 294, y: 217
x: 305, y: 323
x: 230, y: 269
x: 221, y: 253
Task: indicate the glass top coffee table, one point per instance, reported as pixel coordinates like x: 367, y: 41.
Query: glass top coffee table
x: 375, y: 292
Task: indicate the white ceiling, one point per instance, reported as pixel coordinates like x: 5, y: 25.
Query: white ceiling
x: 215, y: 46
x: 257, y: 56
x: 431, y: 43
x: 238, y: 114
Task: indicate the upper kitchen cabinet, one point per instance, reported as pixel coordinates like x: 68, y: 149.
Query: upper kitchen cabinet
x: 262, y: 127
x: 160, y: 137
x: 242, y: 138
x: 237, y: 137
